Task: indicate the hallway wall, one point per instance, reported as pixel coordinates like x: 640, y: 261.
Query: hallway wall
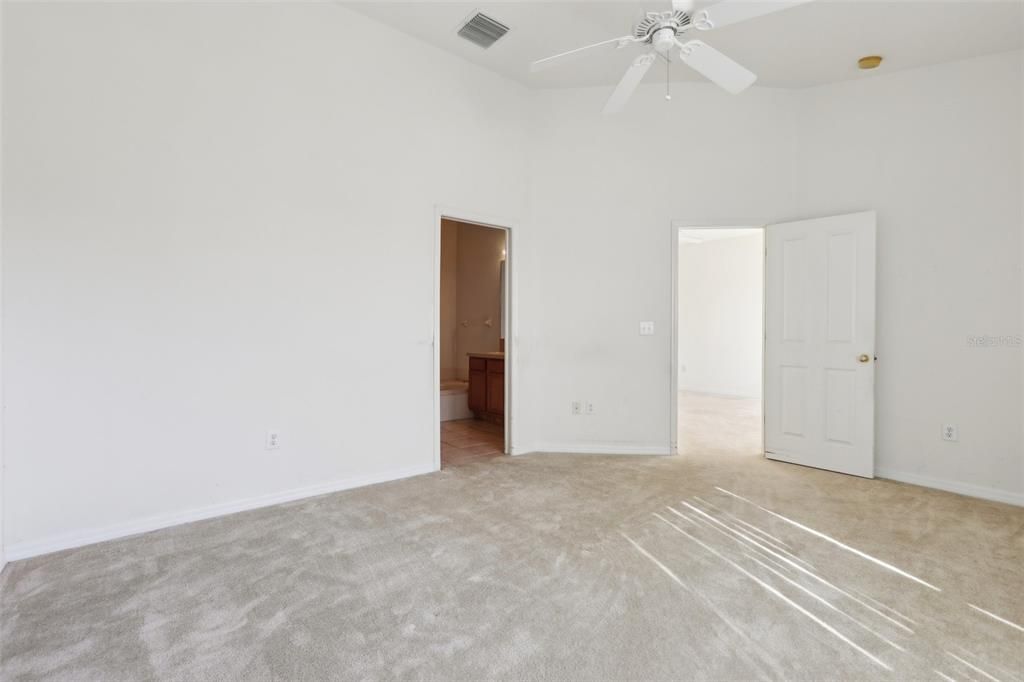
x: 721, y: 306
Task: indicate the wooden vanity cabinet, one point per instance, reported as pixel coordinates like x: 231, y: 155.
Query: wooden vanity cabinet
x: 478, y: 385
x: 487, y: 388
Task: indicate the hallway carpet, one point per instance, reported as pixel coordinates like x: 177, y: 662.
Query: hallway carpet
x: 713, y: 565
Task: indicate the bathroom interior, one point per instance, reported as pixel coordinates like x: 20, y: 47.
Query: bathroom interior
x: 472, y: 343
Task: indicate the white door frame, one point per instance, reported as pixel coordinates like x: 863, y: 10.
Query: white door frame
x: 715, y: 224
x: 511, y: 318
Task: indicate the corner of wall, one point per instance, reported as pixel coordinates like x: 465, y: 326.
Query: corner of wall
x: 3, y: 553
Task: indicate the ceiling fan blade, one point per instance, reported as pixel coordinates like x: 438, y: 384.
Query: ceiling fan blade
x: 734, y: 11
x: 716, y: 67
x: 542, y: 64
x: 623, y: 91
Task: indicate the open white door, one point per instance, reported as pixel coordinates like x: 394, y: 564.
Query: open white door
x: 819, y: 400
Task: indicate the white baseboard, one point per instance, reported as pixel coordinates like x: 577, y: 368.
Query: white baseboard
x: 25, y: 550
x: 968, y: 489
x: 56, y: 543
x: 601, y: 449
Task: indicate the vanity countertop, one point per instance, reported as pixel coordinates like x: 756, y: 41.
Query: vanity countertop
x: 495, y: 355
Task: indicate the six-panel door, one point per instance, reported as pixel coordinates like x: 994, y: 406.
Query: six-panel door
x: 820, y: 342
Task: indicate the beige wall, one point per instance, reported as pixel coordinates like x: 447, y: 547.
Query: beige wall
x: 449, y: 322
x: 471, y: 258
x: 478, y: 305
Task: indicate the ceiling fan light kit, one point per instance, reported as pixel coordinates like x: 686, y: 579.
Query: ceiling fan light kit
x: 663, y: 33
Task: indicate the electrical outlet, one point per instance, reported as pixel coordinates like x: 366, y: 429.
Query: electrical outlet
x: 273, y: 440
x: 646, y: 329
x: 577, y: 407
x: 950, y: 432
x: 588, y: 408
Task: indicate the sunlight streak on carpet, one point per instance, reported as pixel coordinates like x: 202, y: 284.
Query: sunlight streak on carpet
x: 776, y: 593
x: 837, y: 543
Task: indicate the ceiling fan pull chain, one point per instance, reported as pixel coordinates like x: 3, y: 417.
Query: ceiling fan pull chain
x: 668, y: 80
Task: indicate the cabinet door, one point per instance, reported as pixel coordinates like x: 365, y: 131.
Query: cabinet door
x: 496, y: 387
x: 478, y: 390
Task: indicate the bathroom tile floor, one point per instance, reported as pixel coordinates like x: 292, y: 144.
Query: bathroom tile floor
x: 470, y: 440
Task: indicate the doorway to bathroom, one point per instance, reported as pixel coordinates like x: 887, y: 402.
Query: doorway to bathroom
x: 720, y: 337
x: 473, y: 372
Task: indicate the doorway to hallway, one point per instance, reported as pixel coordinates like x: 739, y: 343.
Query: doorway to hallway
x: 817, y: 337
x: 720, y: 332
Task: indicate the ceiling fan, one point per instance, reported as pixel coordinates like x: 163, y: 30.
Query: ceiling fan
x: 664, y: 32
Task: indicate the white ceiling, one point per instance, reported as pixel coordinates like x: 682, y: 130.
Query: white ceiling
x: 804, y: 46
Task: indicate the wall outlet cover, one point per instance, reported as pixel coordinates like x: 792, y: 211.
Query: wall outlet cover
x: 273, y: 440
x: 647, y: 328
x: 950, y: 432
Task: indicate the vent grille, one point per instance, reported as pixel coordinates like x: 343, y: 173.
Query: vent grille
x: 482, y: 30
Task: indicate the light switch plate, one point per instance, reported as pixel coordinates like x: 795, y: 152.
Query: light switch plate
x: 646, y: 329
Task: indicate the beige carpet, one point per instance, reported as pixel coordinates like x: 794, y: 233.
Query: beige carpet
x: 713, y: 565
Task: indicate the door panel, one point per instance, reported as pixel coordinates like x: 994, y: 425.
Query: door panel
x: 839, y: 396
x: 819, y: 324
x: 793, y: 400
x: 794, y: 289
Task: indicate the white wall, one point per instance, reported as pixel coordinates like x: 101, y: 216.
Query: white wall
x: 217, y: 222
x: 937, y: 151
x: 604, y: 191
x: 3, y: 553
x: 219, y: 219
x: 721, y: 296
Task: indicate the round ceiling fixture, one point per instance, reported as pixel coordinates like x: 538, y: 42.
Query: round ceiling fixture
x: 870, y: 62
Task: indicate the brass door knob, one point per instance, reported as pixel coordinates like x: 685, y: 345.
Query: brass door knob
x: 864, y: 358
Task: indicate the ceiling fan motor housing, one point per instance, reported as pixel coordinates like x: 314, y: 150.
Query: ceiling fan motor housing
x: 660, y: 29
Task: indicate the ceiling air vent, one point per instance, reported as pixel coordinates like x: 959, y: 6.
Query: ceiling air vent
x: 482, y: 30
